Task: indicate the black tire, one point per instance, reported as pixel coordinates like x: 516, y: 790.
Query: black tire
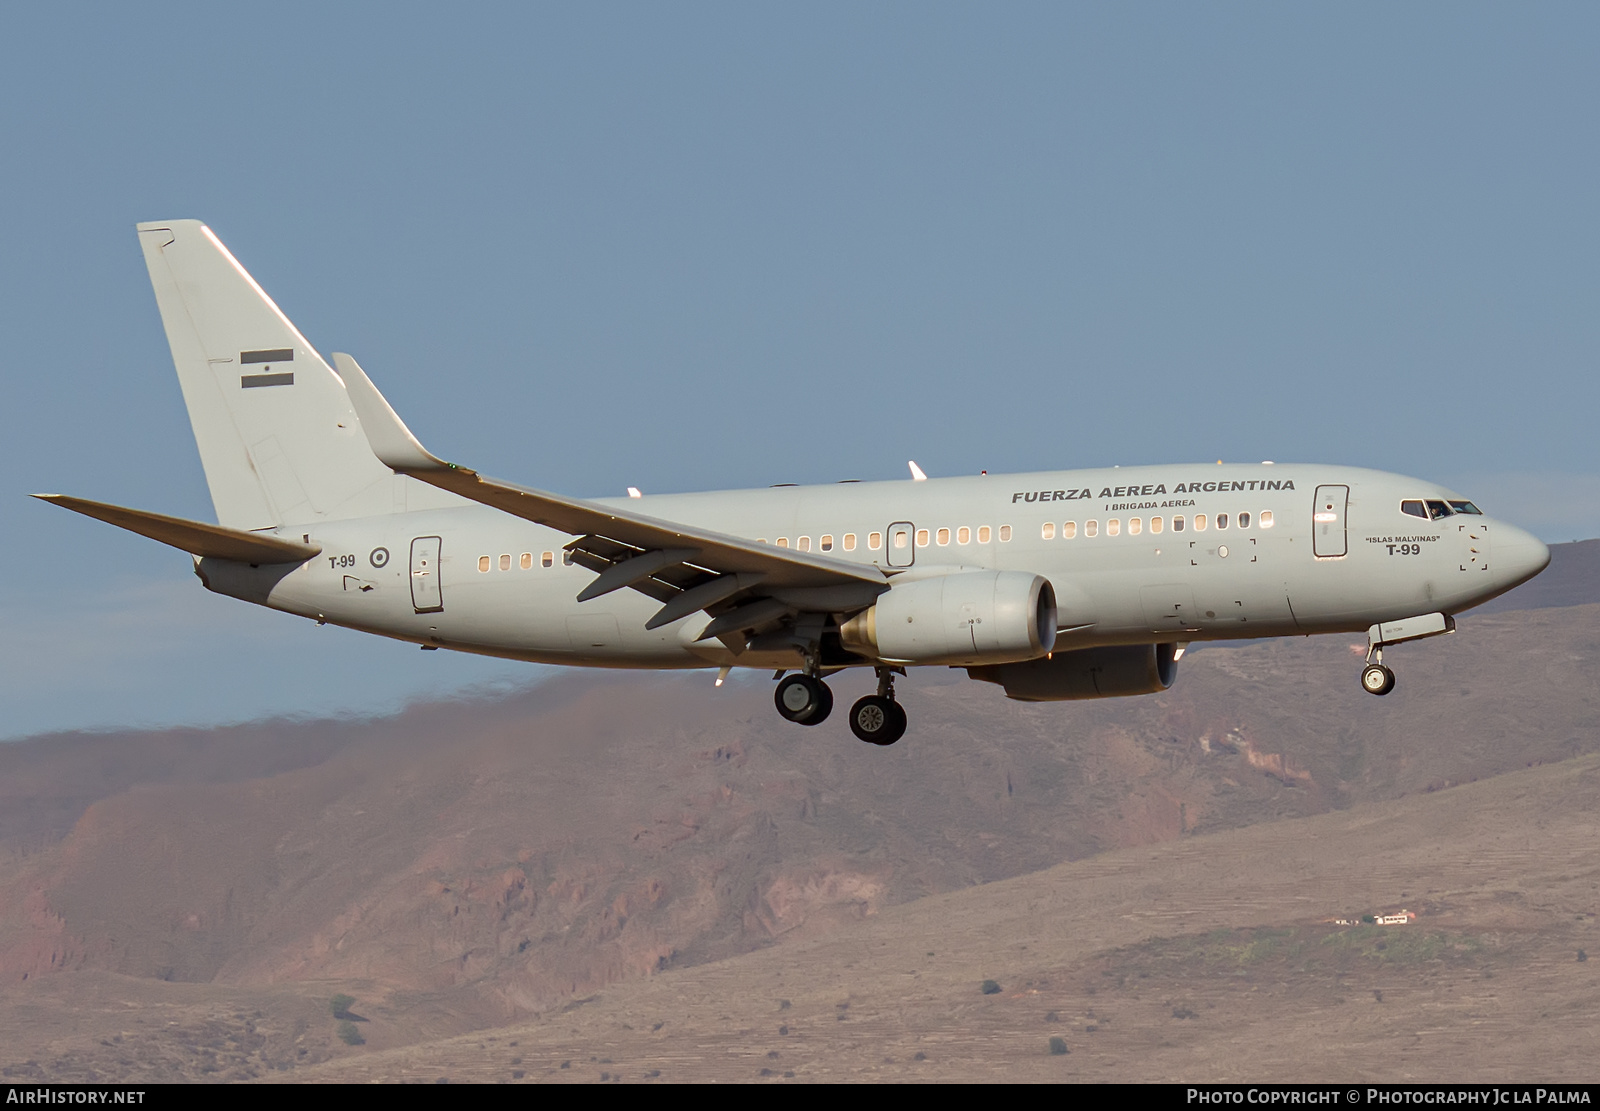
x: 1377, y: 679
x: 823, y: 710
x: 802, y: 699
x: 900, y: 723
x: 878, y: 720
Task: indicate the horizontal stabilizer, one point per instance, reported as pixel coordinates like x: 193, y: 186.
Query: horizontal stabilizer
x: 194, y: 537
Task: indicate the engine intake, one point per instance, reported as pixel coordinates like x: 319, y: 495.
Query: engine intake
x: 969, y: 617
x: 1112, y: 672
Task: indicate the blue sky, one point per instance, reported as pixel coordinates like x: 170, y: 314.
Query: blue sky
x: 690, y: 246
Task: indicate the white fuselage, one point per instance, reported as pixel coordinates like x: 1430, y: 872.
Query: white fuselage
x: 1251, y: 559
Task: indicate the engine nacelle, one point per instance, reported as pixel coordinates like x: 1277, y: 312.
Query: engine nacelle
x: 1112, y: 672
x: 967, y: 617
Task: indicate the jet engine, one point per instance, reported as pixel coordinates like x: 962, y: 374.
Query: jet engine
x: 967, y: 617
x: 1111, y: 672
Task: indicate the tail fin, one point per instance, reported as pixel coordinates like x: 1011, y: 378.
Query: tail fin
x: 278, y: 437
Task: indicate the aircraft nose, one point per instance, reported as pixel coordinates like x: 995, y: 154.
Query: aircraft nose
x: 1518, y: 555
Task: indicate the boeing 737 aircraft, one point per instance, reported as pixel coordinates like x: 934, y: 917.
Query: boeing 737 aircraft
x: 1055, y: 585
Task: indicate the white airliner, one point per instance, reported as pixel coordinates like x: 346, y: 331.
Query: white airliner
x: 1055, y: 585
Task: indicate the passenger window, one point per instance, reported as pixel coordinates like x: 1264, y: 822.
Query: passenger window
x: 899, y: 539
x: 483, y: 563
x: 547, y: 559
x: 527, y: 560
x: 804, y: 543
x: 783, y: 541
x: 1222, y: 520
x: 826, y: 544
x: 983, y: 534
x: 850, y: 542
x: 1244, y: 520
x: 1047, y: 531
x: 505, y: 562
x: 922, y: 538
x: 1113, y: 527
x: 1266, y: 518
x: 1199, y: 522
x: 1414, y: 508
x: 874, y: 540
x: 1069, y: 529
x: 944, y: 537
x: 963, y: 535
x: 1005, y: 534
x: 566, y: 559
x: 1155, y: 524
x: 1091, y: 528
x: 1135, y: 526
x: 1177, y: 524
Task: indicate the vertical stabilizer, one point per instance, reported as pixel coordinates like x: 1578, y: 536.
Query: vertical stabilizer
x: 278, y: 437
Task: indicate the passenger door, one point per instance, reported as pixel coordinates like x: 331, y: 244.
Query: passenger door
x: 427, y: 595
x: 1327, y: 522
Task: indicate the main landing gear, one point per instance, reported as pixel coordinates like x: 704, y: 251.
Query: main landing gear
x: 1375, y: 677
x: 803, y: 699
x: 876, y: 719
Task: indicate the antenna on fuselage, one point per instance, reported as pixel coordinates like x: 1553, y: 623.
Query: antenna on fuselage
x: 916, y: 471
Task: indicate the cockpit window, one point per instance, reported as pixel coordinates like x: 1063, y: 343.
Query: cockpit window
x: 1414, y: 508
x: 1438, y: 510
x: 1466, y: 507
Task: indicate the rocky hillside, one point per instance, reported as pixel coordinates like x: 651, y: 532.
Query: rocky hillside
x: 519, y: 853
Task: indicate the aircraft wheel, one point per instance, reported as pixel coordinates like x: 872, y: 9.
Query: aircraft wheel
x: 825, y: 709
x: 803, y: 700
x: 1377, y: 679
x: 878, y: 720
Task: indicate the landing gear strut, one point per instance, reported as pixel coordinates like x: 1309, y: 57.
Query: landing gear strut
x: 878, y: 718
x: 803, y: 699
x: 1375, y: 677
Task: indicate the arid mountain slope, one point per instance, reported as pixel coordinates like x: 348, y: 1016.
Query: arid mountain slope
x: 529, y: 850
x: 1572, y: 579
x: 1203, y: 960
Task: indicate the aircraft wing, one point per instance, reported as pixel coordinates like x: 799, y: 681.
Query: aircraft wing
x: 194, y: 537
x: 686, y: 567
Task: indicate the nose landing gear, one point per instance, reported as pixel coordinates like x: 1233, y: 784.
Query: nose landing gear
x: 1375, y: 677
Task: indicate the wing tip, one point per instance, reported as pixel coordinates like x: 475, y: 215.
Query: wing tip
x: 387, y: 435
